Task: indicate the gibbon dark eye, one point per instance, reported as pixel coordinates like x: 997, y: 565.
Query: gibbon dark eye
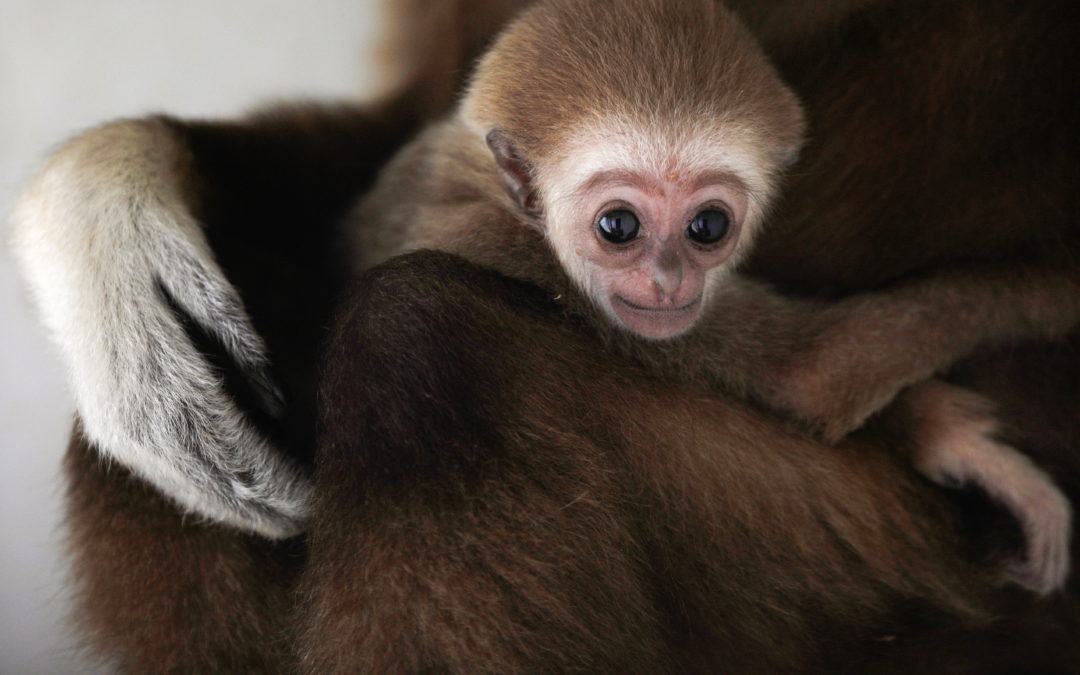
x: 619, y: 226
x: 709, y: 226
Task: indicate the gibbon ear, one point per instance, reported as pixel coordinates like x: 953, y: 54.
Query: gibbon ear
x: 514, y: 172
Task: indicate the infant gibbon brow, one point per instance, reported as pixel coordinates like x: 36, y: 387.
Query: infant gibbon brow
x: 626, y: 177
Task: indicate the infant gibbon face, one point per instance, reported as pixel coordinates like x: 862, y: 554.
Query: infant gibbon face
x: 647, y: 235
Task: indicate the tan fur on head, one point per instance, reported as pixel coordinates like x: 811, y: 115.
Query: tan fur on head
x: 646, y: 61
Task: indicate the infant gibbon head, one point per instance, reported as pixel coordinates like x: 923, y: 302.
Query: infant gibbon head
x: 645, y: 138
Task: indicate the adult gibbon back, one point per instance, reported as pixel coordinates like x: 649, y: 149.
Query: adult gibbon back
x: 496, y: 502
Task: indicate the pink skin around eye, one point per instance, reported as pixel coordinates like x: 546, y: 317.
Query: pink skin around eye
x: 654, y: 285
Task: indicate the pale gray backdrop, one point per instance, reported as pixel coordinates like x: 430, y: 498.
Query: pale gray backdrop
x: 69, y: 64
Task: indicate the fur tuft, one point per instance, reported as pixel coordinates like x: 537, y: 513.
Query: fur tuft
x: 118, y: 266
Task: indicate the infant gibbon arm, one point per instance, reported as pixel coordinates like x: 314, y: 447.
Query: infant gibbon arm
x: 872, y: 346
x: 831, y: 365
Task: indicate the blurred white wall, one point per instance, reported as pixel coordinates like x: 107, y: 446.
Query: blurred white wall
x: 69, y: 64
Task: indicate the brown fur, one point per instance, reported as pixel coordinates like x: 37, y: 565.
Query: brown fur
x: 495, y: 502
x: 483, y: 508
x: 979, y: 167
x: 860, y: 563
x: 793, y: 355
x: 945, y: 110
x: 159, y: 593
x: 430, y: 46
x: 665, y: 62
x: 557, y: 70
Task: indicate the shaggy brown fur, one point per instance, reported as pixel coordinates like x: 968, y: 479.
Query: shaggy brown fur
x: 430, y: 46
x: 831, y: 368
x: 695, y: 73
x: 707, y: 539
x: 491, y: 500
x: 160, y: 592
x: 494, y: 503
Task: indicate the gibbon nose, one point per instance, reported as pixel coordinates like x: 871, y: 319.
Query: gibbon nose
x: 668, y: 275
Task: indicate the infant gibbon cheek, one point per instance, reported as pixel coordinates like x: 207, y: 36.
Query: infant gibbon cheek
x: 635, y: 282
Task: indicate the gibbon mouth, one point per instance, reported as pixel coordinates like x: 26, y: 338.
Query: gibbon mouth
x: 656, y: 323
x: 660, y: 310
